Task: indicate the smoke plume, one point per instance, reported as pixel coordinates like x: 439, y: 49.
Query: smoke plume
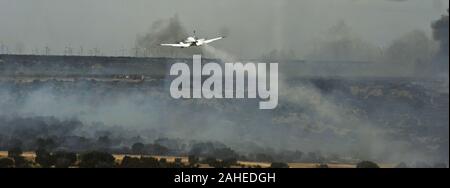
x: 165, y: 31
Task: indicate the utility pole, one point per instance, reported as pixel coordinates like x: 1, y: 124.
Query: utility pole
x: 2, y: 48
x: 47, y: 50
x: 136, y: 51
x: 147, y: 52
x: 122, y: 51
x: 19, y: 48
x: 81, y: 51
x: 69, y: 50
x: 96, y: 51
x: 36, y: 51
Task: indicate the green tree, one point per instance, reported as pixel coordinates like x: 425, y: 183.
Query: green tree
x: 131, y: 162
x: 21, y: 162
x: 178, y: 161
x: 44, y: 158
x: 150, y: 162
x: 15, y: 152
x: 229, y: 162
x: 192, y: 159
x: 64, y: 159
x: 138, y: 148
x: 367, y: 164
x: 96, y: 159
x: 279, y: 165
x: 6, y: 163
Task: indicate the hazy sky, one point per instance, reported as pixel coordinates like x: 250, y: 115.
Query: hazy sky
x: 255, y: 25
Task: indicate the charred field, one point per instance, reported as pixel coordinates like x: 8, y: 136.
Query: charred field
x: 84, y: 103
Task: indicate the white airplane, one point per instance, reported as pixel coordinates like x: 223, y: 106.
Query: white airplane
x: 192, y: 41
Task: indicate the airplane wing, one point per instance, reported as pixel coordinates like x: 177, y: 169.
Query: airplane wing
x: 181, y: 45
x: 212, y: 40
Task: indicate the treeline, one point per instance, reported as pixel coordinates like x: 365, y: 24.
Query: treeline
x: 51, y: 134
x: 52, y: 138
x: 92, y: 159
x: 100, y: 159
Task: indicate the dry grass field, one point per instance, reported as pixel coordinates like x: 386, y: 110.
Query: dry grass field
x: 184, y: 159
x: 27, y: 155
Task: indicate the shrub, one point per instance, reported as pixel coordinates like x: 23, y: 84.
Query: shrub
x: 96, y: 159
x: 44, y: 158
x: 323, y: 165
x: 279, y: 165
x: 6, y: 163
x: 131, y: 162
x: 192, y: 159
x: 21, y: 162
x: 138, y: 148
x: 178, y: 160
x: 367, y: 164
x: 149, y: 162
x: 64, y: 159
x: 15, y: 152
x: 229, y: 162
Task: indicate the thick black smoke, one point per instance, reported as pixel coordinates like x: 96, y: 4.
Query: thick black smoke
x: 440, y: 33
x: 164, y: 31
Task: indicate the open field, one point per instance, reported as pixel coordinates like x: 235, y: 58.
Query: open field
x: 27, y: 155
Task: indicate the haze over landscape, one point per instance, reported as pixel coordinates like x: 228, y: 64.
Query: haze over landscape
x: 255, y: 27
x: 359, y: 79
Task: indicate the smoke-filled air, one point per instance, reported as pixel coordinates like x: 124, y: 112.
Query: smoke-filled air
x: 358, y: 80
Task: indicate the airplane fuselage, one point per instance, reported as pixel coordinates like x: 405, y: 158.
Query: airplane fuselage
x: 192, y: 41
